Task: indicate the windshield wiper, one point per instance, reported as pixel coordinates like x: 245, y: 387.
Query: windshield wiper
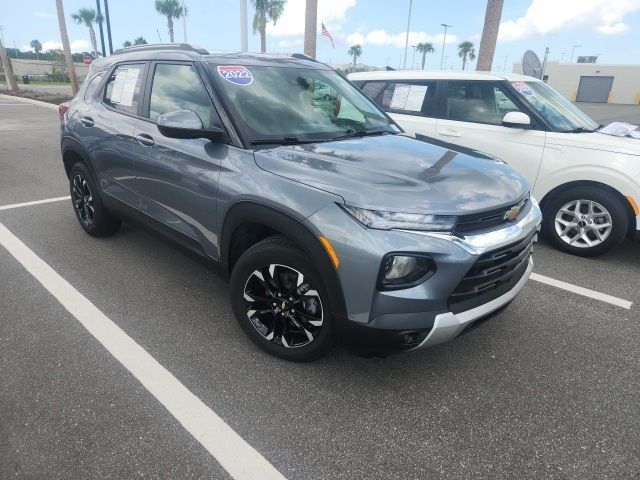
x: 362, y: 132
x: 582, y: 130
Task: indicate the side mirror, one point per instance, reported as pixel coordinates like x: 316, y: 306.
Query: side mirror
x: 186, y: 124
x: 516, y: 120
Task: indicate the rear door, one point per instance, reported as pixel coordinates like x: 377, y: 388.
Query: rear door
x: 473, y: 119
x: 178, y: 178
x: 411, y: 103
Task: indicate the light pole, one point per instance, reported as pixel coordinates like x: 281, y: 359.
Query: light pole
x: 406, y: 38
x: 572, y: 50
x: 444, y: 40
x: 413, y: 58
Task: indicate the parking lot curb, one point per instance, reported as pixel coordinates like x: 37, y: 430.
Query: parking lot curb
x: 29, y: 100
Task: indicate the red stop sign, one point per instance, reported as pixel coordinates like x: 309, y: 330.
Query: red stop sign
x: 86, y: 59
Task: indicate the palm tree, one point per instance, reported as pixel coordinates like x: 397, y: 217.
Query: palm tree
x: 425, y: 48
x: 37, y: 47
x: 126, y: 44
x: 71, y: 69
x: 88, y: 17
x: 266, y: 11
x: 170, y: 9
x: 466, y: 52
x: 8, y: 69
x: 355, y: 51
x: 489, y: 34
x: 310, y: 27
x: 139, y: 41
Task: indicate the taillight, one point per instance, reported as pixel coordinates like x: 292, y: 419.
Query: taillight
x: 62, y: 109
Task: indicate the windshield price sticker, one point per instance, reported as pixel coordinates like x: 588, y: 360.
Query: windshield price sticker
x: 523, y: 88
x: 236, y: 74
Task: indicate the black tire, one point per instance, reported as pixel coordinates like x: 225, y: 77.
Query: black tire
x: 612, y: 204
x: 87, y: 204
x: 277, y: 317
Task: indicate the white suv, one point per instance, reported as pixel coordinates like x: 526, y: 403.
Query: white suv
x: 588, y: 183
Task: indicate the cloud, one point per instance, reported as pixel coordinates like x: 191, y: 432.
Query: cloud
x: 382, y: 37
x: 290, y: 43
x: 549, y: 16
x: 331, y: 12
x: 76, y: 46
x: 44, y: 15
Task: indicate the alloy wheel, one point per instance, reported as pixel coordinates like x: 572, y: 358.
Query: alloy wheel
x: 83, y: 200
x: 283, y: 306
x: 583, y: 223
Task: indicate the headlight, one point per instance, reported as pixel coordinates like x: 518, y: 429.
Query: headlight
x: 384, y: 220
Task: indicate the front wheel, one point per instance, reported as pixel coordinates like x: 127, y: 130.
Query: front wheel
x: 585, y: 221
x: 280, y: 302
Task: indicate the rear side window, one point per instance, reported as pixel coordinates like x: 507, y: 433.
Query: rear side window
x: 372, y: 89
x: 123, y: 88
x: 410, y: 98
x: 92, y: 86
x: 178, y: 87
x: 478, y: 102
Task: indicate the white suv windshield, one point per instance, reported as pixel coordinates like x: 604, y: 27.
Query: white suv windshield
x: 559, y: 112
x: 305, y: 104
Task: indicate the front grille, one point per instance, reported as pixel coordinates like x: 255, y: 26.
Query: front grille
x: 493, y: 274
x: 491, y: 218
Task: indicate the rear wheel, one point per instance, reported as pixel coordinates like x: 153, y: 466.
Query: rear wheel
x: 280, y: 302
x: 585, y: 221
x: 87, y: 204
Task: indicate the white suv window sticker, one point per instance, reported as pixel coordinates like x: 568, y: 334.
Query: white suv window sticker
x: 408, y: 97
x: 124, y: 86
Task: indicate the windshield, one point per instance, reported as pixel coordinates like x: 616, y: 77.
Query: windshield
x: 288, y: 104
x: 559, y: 112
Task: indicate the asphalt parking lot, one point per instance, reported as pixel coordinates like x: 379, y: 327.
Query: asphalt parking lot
x: 548, y: 389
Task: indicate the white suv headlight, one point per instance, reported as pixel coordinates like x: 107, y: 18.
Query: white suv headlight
x: 384, y: 220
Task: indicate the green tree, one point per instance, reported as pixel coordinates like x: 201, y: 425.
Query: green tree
x: 139, y: 41
x: 355, y: 51
x: 88, y: 16
x: 425, y: 48
x: 466, y: 52
x: 126, y: 43
x: 266, y: 11
x: 172, y: 10
x: 37, y: 47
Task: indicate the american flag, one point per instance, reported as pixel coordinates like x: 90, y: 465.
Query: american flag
x: 326, y: 33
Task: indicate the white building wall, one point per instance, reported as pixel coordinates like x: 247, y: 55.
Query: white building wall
x: 565, y: 78
x: 42, y: 67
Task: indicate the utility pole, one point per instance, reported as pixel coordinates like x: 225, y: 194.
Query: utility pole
x: 71, y: 68
x: 104, y: 53
x: 8, y: 69
x: 444, y: 40
x: 406, y: 38
x: 184, y: 21
x: 244, y: 38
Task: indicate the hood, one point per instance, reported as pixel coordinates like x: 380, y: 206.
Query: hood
x: 398, y: 173
x: 596, y: 141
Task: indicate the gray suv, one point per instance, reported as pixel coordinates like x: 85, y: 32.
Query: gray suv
x: 329, y: 222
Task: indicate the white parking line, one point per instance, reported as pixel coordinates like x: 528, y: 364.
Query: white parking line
x: 235, y: 455
x: 603, y: 297
x: 35, y: 202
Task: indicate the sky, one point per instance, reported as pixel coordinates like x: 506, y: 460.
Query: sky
x: 608, y: 28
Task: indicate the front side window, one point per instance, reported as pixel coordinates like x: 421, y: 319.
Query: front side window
x: 560, y: 113
x: 123, y: 88
x: 305, y: 104
x: 478, y: 102
x: 178, y: 87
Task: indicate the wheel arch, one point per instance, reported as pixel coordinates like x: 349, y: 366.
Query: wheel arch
x: 246, y: 223
x: 594, y: 184
x: 73, y: 152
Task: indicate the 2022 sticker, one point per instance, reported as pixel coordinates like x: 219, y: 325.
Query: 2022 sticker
x: 236, y: 74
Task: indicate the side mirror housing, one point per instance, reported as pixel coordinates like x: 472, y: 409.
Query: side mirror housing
x: 186, y: 124
x: 516, y: 120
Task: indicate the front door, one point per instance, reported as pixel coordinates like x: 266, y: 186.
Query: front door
x: 178, y: 178
x: 473, y: 119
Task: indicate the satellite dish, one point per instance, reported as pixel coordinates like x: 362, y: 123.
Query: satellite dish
x: 531, y: 65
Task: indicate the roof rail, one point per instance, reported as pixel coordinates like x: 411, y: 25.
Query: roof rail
x: 150, y: 47
x: 302, y: 56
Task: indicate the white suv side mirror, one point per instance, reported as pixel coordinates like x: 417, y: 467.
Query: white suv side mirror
x: 516, y: 120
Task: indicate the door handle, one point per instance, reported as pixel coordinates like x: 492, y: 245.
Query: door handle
x: 144, y: 139
x: 450, y: 132
x: 86, y: 121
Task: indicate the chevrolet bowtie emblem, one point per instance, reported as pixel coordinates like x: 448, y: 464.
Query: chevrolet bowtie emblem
x: 512, y: 214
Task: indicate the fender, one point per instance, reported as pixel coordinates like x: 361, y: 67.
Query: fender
x: 70, y: 144
x: 291, y: 227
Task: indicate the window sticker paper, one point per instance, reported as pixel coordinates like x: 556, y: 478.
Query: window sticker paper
x: 400, y: 94
x: 415, y: 99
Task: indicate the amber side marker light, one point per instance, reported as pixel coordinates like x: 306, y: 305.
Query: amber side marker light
x: 634, y: 206
x: 330, y: 251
